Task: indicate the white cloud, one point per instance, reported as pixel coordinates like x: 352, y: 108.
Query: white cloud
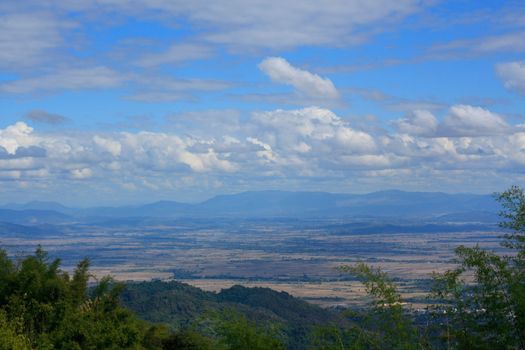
x: 175, y: 54
x: 460, y: 121
x: 465, y: 120
x: 309, y: 141
x: 70, y: 79
x: 266, y: 152
x: 513, y: 42
x: 111, y: 146
x: 254, y: 24
x: 292, y: 145
x: 26, y: 37
x: 418, y: 122
x: 513, y: 75
x: 163, y: 89
x: 309, y: 84
x: 15, y: 136
x: 165, y: 152
x: 507, y: 42
x: 81, y: 174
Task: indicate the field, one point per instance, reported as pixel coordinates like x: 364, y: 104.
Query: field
x: 299, y: 257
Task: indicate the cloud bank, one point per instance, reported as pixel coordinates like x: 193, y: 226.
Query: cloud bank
x: 294, y: 145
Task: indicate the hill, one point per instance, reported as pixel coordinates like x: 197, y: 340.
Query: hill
x: 179, y: 304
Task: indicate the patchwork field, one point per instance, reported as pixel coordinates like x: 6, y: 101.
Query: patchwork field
x: 298, y: 257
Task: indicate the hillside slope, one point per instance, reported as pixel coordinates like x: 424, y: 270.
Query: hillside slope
x: 179, y: 305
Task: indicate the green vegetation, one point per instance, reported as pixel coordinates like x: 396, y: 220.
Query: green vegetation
x: 43, y: 307
x: 181, y: 306
x: 480, y: 304
x: 482, y: 300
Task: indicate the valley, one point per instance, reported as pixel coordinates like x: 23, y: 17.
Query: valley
x: 299, y: 256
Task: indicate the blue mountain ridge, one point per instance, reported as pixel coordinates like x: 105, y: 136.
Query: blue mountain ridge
x: 270, y: 204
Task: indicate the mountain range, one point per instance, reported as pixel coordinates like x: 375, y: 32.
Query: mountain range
x: 391, y: 204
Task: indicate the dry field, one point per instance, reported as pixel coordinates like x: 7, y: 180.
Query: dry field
x: 294, y: 257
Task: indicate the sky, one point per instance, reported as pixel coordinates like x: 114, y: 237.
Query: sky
x: 110, y: 102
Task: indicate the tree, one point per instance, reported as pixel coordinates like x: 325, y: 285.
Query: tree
x: 235, y: 332
x: 481, y: 303
x: 42, y: 307
x: 386, y: 325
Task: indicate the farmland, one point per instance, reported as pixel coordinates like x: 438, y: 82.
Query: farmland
x: 296, y: 256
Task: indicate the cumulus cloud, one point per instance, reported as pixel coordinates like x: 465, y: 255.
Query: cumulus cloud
x: 111, y: 146
x: 296, y: 144
x: 464, y: 120
x: 418, y: 122
x: 460, y: 121
x: 81, y: 174
x: 266, y: 152
x: 23, y: 152
x: 513, y: 75
x: 167, y: 152
x: 309, y: 84
x: 280, y: 141
x: 313, y: 124
x: 307, y: 140
x: 16, y: 136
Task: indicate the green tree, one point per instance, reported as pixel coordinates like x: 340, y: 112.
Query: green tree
x: 11, y: 335
x: 333, y: 337
x: 42, y: 307
x: 188, y: 340
x: 235, y: 332
x: 481, y: 303
x: 386, y: 324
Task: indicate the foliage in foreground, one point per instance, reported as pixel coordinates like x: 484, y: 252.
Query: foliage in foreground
x: 42, y: 307
x: 481, y: 303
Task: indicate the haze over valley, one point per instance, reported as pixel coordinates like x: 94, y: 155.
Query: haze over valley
x: 291, y: 241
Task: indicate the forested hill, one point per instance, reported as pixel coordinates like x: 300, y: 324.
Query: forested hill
x: 179, y: 305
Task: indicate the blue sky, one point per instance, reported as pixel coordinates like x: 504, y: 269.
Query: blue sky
x: 120, y: 101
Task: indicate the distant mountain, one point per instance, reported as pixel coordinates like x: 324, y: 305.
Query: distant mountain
x: 40, y: 205
x: 33, y: 217
x: 322, y: 204
x: 274, y: 204
x: 155, y: 210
